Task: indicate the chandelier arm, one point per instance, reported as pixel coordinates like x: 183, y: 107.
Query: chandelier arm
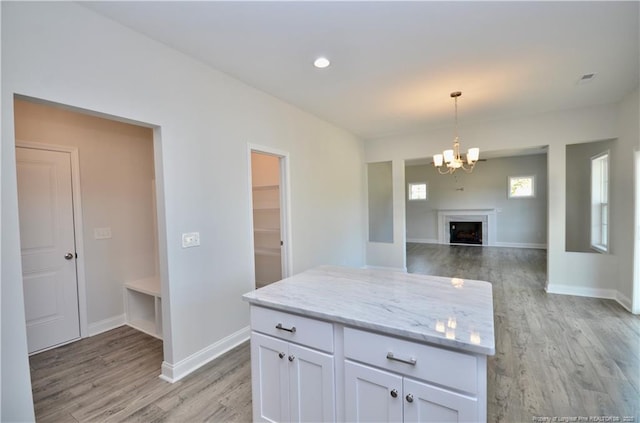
x: 470, y: 168
x: 441, y: 172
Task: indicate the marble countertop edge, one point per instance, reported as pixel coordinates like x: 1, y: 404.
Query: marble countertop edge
x: 383, y: 329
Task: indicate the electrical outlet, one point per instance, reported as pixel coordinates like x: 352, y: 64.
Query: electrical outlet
x: 102, y: 233
x: 190, y: 239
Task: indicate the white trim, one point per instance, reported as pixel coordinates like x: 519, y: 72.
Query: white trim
x: 521, y: 245
x: 635, y: 304
x: 106, y: 325
x: 624, y: 301
x: 583, y: 291
x: 486, y: 216
x: 423, y: 240
x: 496, y: 244
x: 285, y: 207
x: 77, y: 222
x: 174, y: 372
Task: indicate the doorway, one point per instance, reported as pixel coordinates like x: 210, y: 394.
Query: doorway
x: 269, y: 216
x: 115, y: 226
x: 48, y: 246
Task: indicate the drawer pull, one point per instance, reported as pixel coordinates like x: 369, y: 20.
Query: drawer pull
x: 412, y: 361
x: 292, y: 330
x: 394, y: 393
x: 409, y: 398
x: 281, y: 355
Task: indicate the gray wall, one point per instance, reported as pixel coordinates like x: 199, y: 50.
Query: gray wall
x: 380, y: 198
x: 578, y: 217
x: 520, y: 222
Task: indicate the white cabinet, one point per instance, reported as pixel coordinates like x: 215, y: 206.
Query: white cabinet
x: 305, y: 369
x: 372, y: 395
x: 408, y: 381
x: 432, y: 404
x: 376, y: 395
x: 143, y: 306
x: 290, y: 382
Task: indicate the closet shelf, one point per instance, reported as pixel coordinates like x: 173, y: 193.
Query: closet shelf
x: 267, y: 230
x: 275, y: 252
x: 266, y: 187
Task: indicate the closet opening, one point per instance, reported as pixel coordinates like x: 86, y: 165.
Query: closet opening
x: 269, y: 216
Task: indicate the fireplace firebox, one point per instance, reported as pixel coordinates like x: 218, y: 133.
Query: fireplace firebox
x: 465, y: 232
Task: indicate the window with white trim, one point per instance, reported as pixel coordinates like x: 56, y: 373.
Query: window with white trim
x: 522, y: 186
x: 600, y: 202
x: 417, y: 191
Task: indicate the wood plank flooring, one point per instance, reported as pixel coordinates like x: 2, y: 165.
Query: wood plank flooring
x: 556, y: 356
x: 113, y: 377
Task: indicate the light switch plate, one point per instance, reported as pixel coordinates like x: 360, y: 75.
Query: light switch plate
x: 190, y: 239
x: 102, y: 233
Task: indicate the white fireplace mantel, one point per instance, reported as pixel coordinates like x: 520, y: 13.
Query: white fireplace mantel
x: 486, y: 216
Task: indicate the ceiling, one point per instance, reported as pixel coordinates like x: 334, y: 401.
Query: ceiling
x: 395, y: 63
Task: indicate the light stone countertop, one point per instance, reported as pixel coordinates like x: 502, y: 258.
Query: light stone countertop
x: 454, y: 313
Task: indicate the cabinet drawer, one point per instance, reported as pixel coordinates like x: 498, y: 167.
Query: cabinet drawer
x: 309, y: 332
x: 443, y: 367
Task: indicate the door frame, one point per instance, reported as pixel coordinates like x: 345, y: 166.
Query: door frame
x: 285, y: 207
x: 635, y: 290
x: 77, y: 224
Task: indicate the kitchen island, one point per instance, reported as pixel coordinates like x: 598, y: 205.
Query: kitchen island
x: 342, y: 344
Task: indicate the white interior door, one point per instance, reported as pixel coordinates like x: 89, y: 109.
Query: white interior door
x: 47, y: 243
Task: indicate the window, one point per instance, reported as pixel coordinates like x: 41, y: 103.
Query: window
x: 418, y: 191
x: 522, y: 186
x: 600, y: 202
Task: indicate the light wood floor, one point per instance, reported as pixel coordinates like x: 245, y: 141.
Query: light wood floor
x: 113, y: 377
x: 556, y: 356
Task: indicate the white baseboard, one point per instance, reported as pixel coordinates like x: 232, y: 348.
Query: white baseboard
x: 423, y: 240
x: 174, y: 372
x: 495, y: 244
x: 106, y: 324
x: 520, y: 245
x: 624, y: 301
x: 581, y: 291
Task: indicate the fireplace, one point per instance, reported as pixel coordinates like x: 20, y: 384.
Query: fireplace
x: 465, y: 232
x: 485, y: 234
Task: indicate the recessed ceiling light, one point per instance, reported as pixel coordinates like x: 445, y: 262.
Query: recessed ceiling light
x: 321, y: 62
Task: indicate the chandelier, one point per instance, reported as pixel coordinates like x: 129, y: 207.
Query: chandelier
x: 451, y: 158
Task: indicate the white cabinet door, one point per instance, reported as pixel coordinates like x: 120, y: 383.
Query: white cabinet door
x: 426, y: 403
x: 372, y: 395
x: 312, y: 387
x: 270, y: 378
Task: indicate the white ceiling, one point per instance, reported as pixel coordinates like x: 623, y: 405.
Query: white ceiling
x: 395, y: 63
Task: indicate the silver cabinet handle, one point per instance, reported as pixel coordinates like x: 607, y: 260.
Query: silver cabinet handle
x: 291, y: 358
x: 292, y: 330
x: 412, y: 361
x: 409, y: 398
x: 68, y: 256
x: 394, y: 393
x: 281, y: 355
